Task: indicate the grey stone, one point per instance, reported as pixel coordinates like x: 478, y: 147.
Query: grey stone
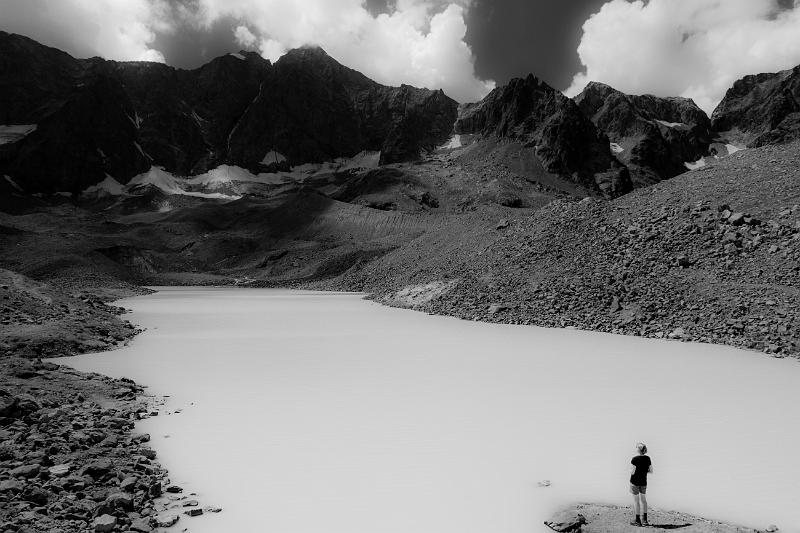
x: 104, y: 523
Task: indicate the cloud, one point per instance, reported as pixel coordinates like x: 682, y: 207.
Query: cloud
x: 692, y: 48
x: 113, y: 29
x: 419, y: 42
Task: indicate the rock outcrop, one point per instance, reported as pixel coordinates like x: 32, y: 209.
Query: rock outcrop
x: 94, y: 118
x: 351, y: 113
x: 761, y: 109
x: 655, y: 137
x: 529, y: 111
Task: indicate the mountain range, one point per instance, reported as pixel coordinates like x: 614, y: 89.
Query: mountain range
x: 69, y: 123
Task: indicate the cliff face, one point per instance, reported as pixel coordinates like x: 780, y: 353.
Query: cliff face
x: 761, y: 109
x: 653, y: 136
x: 350, y: 113
x: 567, y: 143
x: 95, y: 118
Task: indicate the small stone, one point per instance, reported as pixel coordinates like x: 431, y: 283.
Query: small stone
x: 128, y: 484
x: 191, y: 503
x: 502, y: 224
x: 11, y: 485
x: 141, y: 525
x: 166, y: 519
x: 567, y: 521
x: 174, y: 489
x: 104, y: 523
x: 193, y: 512
x: 26, y: 471
x: 677, y: 333
x: 544, y: 483
x: 771, y: 528
x: 736, y: 219
x: 120, y: 500
x: 60, y: 470
x: 615, y: 305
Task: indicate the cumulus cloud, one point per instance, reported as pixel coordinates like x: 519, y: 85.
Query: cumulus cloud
x: 112, y: 29
x: 420, y: 42
x: 692, y: 48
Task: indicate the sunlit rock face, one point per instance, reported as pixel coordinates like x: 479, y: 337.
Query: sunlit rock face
x: 97, y: 118
x: 655, y: 137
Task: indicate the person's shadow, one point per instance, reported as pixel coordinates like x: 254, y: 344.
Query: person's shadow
x: 669, y: 526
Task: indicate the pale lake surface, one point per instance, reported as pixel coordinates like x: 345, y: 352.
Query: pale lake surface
x: 309, y: 412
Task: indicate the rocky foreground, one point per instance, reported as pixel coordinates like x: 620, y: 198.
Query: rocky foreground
x: 597, y: 518
x: 69, y: 459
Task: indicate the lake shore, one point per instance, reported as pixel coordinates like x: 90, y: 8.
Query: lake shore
x: 91, y: 400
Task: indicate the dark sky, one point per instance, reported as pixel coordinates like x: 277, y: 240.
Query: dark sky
x: 509, y: 38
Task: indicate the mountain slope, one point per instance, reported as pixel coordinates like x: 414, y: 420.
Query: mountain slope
x: 705, y: 256
x: 534, y: 114
x: 655, y: 137
x: 761, y: 109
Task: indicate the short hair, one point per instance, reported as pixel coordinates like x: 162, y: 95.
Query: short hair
x: 642, y: 447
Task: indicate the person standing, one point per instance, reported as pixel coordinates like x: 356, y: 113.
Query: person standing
x: 641, y: 465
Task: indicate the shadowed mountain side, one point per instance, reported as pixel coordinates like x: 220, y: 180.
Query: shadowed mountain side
x: 534, y: 114
x: 84, y: 119
x: 655, y: 137
x: 761, y: 109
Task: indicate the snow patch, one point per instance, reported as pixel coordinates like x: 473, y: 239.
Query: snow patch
x: 139, y: 147
x: 13, y: 183
x: 732, y: 148
x: 108, y: 187
x: 700, y: 163
x: 617, y: 149
x: 672, y: 124
x: 272, y: 157
x: 236, y: 55
x: 161, y: 179
x: 65, y: 194
x: 10, y: 133
x: 415, y: 295
x: 453, y: 143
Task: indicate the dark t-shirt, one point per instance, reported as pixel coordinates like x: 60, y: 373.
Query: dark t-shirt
x: 639, y: 476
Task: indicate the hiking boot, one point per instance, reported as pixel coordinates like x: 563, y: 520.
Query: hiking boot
x: 645, y: 523
x: 636, y: 523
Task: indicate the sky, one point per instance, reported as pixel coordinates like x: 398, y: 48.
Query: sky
x: 692, y: 48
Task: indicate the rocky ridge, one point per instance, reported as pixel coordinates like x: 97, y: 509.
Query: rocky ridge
x: 761, y: 109
x: 536, y: 115
x: 655, y: 137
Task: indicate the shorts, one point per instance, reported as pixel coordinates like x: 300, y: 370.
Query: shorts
x: 636, y: 489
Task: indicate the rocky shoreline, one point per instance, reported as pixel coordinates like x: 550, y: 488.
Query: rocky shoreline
x: 70, y: 460
x: 602, y: 518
